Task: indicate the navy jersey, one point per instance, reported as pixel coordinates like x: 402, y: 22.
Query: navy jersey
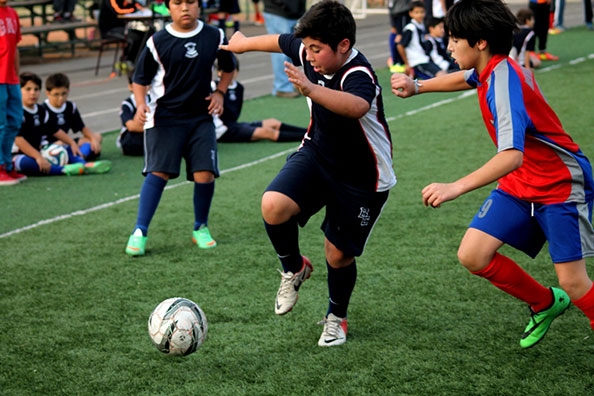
x: 233, y: 102
x: 127, y: 111
x: 178, y: 68
x: 37, y: 126
x: 67, y: 118
x: 355, y: 151
x: 524, y: 40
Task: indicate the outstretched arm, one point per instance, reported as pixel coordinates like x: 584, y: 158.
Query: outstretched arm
x: 500, y: 165
x: 239, y: 43
x: 404, y: 86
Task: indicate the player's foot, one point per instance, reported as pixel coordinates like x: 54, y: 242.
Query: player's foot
x: 287, y: 295
x: 5, y: 179
x: 397, y: 68
x: 97, y: 167
x: 259, y: 20
x: 202, y: 238
x: 556, y: 30
x: 335, y: 331
x: 548, y: 57
x: 541, y: 321
x: 16, y: 175
x: 74, y: 169
x: 136, y: 243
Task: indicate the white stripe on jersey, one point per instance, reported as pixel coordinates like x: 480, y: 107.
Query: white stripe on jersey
x: 157, y: 89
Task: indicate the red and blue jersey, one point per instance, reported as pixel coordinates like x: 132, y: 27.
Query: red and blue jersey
x: 517, y: 116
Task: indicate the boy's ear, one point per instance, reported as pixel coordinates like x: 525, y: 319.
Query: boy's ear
x: 344, y: 45
x: 482, y: 44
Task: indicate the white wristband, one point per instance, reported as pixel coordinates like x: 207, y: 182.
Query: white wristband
x: 417, y: 85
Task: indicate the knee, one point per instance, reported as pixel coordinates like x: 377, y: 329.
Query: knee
x: 203, y: 177
x: 277, y: 208
x: 336, y: 258
x: 574, y: 287
x: 471, y: 260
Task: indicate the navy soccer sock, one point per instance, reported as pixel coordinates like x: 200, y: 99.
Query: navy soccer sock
x: 285, y: 240
x: 29, y: 166
x: 150, y: 195
x: 85, y: 149
x: 341, y: 282
x: 75, y: 159
x: 392, y: 45
x: 203, y: 193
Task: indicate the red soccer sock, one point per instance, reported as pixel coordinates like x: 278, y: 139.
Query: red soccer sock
x: 509, y: 277
x: 586, y: 304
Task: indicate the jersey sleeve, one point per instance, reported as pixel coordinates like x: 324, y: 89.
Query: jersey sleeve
x: 471, y: 78
x: 77, y: 123
x: 359, y: 81
x: 406, y: 38
x: 126, y: 112
x: 146, y: 66
x: 50, y: 124
x: 290, y: 47
x: 226, y: 59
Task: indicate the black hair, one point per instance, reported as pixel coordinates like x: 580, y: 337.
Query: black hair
x: 25, y: 77
x: 57, y: 80
x: 523, y: 15
x: 167, y: 3
x: 488, y: 20
x: 329, y: 22
x: 433, y: 21
x: 416, y: 4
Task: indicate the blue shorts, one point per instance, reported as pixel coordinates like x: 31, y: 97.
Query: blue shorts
x: 350, y: 213
x: 527, y: 226
x: 167, y: 145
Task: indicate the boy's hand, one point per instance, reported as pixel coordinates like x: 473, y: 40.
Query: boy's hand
x: 437, y: 193
x: 95, y: 144
x: 216, y: 103
x: 76, y: 150
x: 43, y: 164
x: 141, y: 111
x: 298, y: 78
x: 235, y: 43
x: 402, y: 85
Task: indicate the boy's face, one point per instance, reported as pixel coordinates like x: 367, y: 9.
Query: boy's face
x: 418, y: 14
x: 30, y: 93
x: 321, y: 56
x: 530, y: 22
x: 466, y: 57
x: 184, y: 14
x: 57, y: 96
x: 3, y: 3
x: 437, y: 30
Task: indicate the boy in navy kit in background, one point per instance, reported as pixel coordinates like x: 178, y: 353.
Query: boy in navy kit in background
x: 131, y: 137
x: 177, y: 66
x: 545, y: 188
x: 344, y: 163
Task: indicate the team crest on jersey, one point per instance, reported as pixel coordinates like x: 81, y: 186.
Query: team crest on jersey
x: 36, y: 121
x: 191, y: 50
x: 322, y: 83
x: 61, y: 120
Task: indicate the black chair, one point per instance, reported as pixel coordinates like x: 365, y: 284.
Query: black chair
x: 120, y: 44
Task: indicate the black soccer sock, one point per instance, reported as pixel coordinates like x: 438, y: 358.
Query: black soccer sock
x: 203, y: 193
x: 341, y: 282
x: 285, y: 240
x: 150, y: 195
x: 290, y: 133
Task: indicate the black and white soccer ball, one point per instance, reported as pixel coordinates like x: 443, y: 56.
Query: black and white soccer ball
x: 177, y: 326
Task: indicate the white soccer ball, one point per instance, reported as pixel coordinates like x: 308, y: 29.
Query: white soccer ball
x: 177, y: 326
x: 56, y: 154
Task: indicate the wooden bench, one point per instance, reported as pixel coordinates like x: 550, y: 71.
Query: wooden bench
x: 30, y: 6
x: 42, y: 33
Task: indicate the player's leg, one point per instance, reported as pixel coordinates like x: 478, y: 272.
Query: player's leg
x: 14, y: 119
x: 29, y: 166
x: 574, y: 279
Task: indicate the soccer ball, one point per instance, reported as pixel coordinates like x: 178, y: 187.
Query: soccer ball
x: 56, y: 154
x: 177, y: 326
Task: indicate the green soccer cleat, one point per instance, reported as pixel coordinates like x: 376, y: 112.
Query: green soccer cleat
x: 136, y: 244
x: 541, y: 321
x: 202, y: 238
x: 97, y: 167
x: 73, y: 169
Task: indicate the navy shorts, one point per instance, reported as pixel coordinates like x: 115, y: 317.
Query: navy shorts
x: 527, y: 226
x: 350, y: 213
x: 239, y: 132
x: 167, y: 145
x: 426, y: 70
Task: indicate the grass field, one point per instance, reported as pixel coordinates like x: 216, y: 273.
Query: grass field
x: 74, y: 306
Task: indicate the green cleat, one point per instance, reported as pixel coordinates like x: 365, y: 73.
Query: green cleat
x: 73, y: 169
x: 202, y: 238
x: 97, y: 167
x: 541, y: 321
x: 136, y: 244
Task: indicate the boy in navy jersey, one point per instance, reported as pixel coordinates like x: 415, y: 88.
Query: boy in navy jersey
x: 131, y: 137
x: 176, y: 65
x: 344, y: 163
x: 37, y: 127
x: 545, y: 188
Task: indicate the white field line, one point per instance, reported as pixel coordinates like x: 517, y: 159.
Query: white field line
x: 250, y: 164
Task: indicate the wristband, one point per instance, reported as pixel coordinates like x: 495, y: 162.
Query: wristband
x: 219, y: 91
x: 417, y: 85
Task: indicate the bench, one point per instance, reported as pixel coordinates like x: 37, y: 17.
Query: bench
x: 30, y: 6
x: 42, y: 33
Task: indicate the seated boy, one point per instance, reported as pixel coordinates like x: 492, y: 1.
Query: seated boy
x: 228, y: 130
x: 525, y: 40
x: 131, y: 138
x: 65, y: 114
x: 412, y: 45
x: 37, y: 126
x: 437, y: 47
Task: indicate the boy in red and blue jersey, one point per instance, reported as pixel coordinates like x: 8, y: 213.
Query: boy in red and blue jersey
x: 545, y: 190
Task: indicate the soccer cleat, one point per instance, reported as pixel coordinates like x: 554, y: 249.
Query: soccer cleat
x: 335, y: 331
x: 16, y: 176
x: 74, y: 169
x: 397, y: 68
x: 541, y: 321
x: 5, y: 179
x: 547, y: 56
x: 287, y: 295
x: 202, y: 238
x: 136, y: 243
x: 97, y: 167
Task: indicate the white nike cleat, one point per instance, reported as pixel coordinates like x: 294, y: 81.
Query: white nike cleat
x: 335, y: 331
x: 287, y: 296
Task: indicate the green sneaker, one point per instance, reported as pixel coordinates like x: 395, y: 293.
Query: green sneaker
x: 540, y: 321
x: 136, y: 244
x: 73, y: 169
x: 97, y: 167
x: 202, y: 238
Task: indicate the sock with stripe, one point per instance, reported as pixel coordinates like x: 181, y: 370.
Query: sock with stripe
x: 285, y: 240
x: 341, y: 282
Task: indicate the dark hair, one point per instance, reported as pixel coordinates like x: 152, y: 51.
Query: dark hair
x: 25, y: 77
x: 329, y: 22
x: 488, y: 20
x: 434, y: 22
x: 416, y: 4
x: 167, y: 3
x: 523, y: 15
x: 57, y: 80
